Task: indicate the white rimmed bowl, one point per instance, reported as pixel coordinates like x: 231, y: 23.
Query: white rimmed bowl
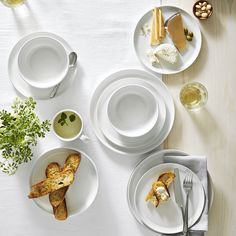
x: 43, y: 62
x: 81, y: 194
x: 132, y: 110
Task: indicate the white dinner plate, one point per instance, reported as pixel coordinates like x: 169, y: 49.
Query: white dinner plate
x: 145, y: 165
x: 104, y: 90
x: 116, y: 139
x: 81, y: 193
x: 167, y: 217
x: 186, y: 58
x: 21, y: 85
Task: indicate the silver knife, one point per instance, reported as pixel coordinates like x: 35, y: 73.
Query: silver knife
x: 178, y: 193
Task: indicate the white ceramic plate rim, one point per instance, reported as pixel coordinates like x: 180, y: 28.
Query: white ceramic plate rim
x: 202, y: 200
x: 98, y: 92
x: 156, y: 156
x: 159, y: 70
x: 72, y: 149
x: 22, y: 87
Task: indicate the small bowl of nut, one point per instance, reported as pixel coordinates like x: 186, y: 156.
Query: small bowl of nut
x: 202, y: 10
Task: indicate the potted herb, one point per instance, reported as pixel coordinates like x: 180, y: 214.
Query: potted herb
x: 19, y: 132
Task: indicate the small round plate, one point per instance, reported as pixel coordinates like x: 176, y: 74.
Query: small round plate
x: 167, y: 217
x: 81, y: 193
x: 186, y: 58
x: 24, y: 88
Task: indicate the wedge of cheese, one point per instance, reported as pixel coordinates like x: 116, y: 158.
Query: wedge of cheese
x: 176, y: 30
x: 158, y: 32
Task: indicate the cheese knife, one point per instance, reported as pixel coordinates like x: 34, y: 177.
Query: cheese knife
x: 178, y: 194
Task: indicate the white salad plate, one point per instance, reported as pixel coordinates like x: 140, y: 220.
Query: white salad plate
x: 132, y: 110
x: 185, y: 58
x: 143, y: 167
x: 108, y: 86
x: 21, y: 85
x: 123, y: 141
x: 82, y: 193
x: 167, y: 217
x: 43, y: 62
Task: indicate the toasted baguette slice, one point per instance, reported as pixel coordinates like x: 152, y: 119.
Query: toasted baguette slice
x: 57, y: 197
x: 57, y: 181
x: 60, y: 211
x: 152, y: 197
x: 72, y: 162
x: 52, y: 168
x: 167, y: 178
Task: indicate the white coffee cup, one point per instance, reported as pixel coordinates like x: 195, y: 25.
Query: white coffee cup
x: 43, y: 62
x: 68, y: 125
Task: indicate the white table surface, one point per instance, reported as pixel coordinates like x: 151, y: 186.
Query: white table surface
x: 101, y: 32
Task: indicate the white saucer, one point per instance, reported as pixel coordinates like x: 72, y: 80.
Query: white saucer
x: 25, y: 89
x: 110, y: 84
x: 116, y: 139
x: 147, y: 164
x: 167, y: 217
x: 186, y: 58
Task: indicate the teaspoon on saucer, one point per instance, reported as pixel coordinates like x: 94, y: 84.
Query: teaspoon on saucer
x: 72, y: 62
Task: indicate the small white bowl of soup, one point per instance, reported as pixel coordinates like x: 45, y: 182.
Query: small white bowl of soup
x: 68, y: 125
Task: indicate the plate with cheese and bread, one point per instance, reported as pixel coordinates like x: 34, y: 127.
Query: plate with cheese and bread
x: 167, y: 40
x: 155, y: 203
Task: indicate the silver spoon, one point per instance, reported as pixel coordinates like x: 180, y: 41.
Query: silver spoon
x: 72, y: 62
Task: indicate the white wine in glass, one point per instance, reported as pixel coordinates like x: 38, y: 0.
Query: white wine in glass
x: 13, y: 3
x: 193, y: 96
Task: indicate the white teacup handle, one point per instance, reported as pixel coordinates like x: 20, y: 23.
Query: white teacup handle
x: 84, y: 138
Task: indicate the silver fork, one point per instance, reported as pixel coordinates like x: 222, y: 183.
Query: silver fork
x: 187, y: 184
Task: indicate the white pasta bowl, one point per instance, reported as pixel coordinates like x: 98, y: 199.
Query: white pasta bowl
x: 43, y: 62
x: 132, y: 110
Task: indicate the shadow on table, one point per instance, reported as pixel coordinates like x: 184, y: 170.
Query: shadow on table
x: 207, y: 127
x: 216, y: 215
x: 25, y: 19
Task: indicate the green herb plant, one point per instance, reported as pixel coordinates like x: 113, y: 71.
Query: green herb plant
x: 64, y: 117
x: 19, y: 132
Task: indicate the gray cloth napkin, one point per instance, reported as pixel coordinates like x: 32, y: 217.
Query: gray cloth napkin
x: 198, y: 164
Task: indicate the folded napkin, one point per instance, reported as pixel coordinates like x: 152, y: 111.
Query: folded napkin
x: 198, y: 164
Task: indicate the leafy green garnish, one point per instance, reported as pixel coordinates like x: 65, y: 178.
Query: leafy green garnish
x: 19, y: 131
x: 72, y: 118
x: 63, y: 118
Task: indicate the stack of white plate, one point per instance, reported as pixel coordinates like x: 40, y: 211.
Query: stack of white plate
x: 132, y: 111
x: 166, y: 218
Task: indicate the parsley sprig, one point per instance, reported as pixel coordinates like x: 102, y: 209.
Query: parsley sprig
x: 63, y: 118
x: 19, y: 132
